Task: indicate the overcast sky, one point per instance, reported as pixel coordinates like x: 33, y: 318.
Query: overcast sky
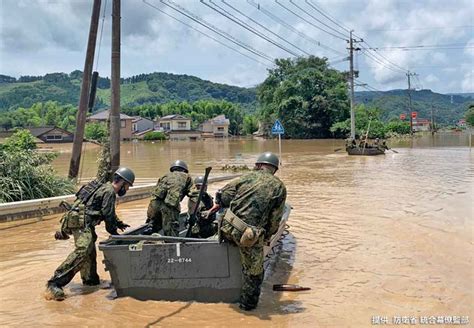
x: 39, y: 37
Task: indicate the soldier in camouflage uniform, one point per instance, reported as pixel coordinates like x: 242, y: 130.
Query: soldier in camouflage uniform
x: 164, y: 208
x: 255, y: 204
x: 204, y: 227
x: 95, y: 203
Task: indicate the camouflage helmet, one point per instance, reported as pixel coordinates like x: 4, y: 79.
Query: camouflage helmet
x: 179, y: 164
x: 199, y: 180
x: 268, y: 158
x: 126, y: 174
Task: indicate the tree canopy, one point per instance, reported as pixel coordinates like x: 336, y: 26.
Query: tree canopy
x: 306, y: 95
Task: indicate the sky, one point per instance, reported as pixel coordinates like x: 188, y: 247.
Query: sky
x: 45, y: 36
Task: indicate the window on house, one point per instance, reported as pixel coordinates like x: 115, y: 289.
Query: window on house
x: 182, y: 125
x: 123, y: 123
x: 54, y: 137
x: 220, y: 128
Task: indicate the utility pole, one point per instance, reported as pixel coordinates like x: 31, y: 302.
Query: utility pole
x: 409, y: 75
x: 432, y: 120
x: 351, y: 81
x: 115, y: 88
x: 85, y: 90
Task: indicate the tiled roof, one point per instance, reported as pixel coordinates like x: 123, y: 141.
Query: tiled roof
x: 104, y: 115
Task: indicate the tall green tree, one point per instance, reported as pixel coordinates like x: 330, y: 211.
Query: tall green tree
x: 469, y: 116
x: 306, y: 95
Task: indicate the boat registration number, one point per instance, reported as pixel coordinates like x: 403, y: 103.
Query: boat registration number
x: 180, y: 260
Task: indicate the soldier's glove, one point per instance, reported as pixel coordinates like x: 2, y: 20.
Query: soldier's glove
x: 122, y: 226
x: 205, y: 214
x: 59, y: 235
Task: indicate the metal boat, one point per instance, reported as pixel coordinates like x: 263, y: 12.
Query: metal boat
x: 368, y: 151
x: 154, y: 267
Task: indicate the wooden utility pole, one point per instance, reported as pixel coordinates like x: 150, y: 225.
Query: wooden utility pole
x: 85, y: 90
x: 409, y: 75
x: 115, y: 88
x: 432, y: 120
x: 351, y: 81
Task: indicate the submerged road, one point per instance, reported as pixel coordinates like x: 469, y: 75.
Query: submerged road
x: 372, y: 236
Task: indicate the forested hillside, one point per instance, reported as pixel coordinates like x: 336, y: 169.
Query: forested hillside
x: 137, y: 90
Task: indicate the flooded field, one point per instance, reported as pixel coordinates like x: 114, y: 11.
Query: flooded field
x: 372, y: 236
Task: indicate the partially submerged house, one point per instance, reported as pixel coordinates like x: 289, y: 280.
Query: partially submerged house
x: 178, y: 127
x: 125, y: 123
x: 217, y: 127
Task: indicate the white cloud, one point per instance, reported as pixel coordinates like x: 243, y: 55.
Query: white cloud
x: 44, y: 36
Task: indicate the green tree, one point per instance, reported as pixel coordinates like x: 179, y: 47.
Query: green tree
x: 25, y: 173
x: 250, y: 124
x: 306, y: 95
x: 469, y: 115
x: 95, y: 131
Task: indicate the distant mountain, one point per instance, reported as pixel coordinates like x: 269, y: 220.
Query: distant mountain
x: 447, y: 109
x: 165, y: 87
x: 136, y: 90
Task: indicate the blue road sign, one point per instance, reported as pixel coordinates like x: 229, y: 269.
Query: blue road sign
x: 277, y: 128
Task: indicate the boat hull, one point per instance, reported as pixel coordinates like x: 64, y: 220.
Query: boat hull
x: 365, y: 151
x: 179, y: 270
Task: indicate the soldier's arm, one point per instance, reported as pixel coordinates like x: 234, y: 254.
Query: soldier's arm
x: 108, y: 213
x: 276, y: 213
x: 227, y: 193
x: 193, y: 196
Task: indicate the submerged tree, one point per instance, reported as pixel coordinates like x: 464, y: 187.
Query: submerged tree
x: 306, y: 95
x: 27, y: 174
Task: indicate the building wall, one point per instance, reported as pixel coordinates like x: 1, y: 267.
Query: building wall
x: 125, y: 128
x: 175, y: 125
x: 184, y: 136
x: 143, y: 125
x: 221, y: 130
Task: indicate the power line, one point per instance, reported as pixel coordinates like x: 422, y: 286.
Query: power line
x: 422, y: 46
x: 424, y: 28
x: 427, y: 49
x: 332, y: 19
x: 265, y: 28
x: 310, y: 23
x: 380, y: 62
x: 291, y: 28
x: 216, y: 30
x: 307, y: 13
x: 248, y: 28
x: 205, y: 34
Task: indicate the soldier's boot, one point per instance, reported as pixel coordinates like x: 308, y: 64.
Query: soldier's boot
x: 54, y: 287
x: 54, y: 292
x: 92, y: 281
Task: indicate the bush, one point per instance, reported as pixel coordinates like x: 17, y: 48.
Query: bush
x: 95, y: 131
x: 397, y: 127
x: 26, y: 174
x: 154, y: 135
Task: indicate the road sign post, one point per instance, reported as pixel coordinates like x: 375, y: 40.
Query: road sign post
x: 277, y: 128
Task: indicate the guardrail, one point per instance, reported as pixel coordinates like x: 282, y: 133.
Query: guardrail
x: 46, y: 206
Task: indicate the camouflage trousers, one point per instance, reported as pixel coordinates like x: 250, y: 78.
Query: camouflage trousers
x: 163, y: 216
x: 82, y: 259
x: 252, y: 266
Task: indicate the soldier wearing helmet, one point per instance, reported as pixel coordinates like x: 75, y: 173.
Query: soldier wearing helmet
x: 164, y: 208
x: 95, y: 203
x: 203, y: 228
x: 254, y: 207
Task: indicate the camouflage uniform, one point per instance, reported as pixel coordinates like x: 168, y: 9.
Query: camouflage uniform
x: 257, y: 198
x: 100, y: 207
x: 164, y: 208
x: 203, y: 228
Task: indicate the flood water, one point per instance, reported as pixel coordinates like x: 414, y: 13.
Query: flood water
x: 371, y: 236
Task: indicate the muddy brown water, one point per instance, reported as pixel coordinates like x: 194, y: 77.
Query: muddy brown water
x: 372, y: 236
